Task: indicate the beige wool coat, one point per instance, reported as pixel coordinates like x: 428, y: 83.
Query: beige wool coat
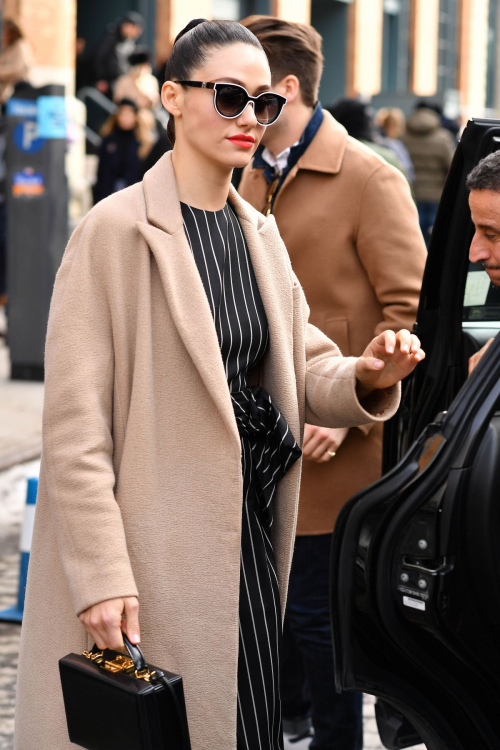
x: 141, y: 481
x: 351, y: 229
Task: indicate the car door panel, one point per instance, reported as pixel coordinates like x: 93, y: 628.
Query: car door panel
x: 450, y: 331
x: 428, y: 649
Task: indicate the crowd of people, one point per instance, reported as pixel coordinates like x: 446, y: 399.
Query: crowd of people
x: 134, y: 137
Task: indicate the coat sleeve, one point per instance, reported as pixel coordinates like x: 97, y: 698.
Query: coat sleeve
x: 77, y: 424
x: 331, y: 398
x: 391, y: 249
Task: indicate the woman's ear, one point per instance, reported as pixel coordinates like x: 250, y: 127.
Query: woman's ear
x: 172, y: 95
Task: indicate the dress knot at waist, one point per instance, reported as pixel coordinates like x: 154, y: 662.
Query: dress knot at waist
x: 273, y: 447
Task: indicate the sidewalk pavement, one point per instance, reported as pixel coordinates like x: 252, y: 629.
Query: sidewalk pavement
x: 21, y: 404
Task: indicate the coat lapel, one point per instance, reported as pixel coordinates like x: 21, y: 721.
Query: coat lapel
x: 182, y: 284
x: 272, y: 271
x: 188, y: 302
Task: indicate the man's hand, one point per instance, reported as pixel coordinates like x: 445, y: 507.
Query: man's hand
x: 319, y: 442
x: 388, y: 359
x: 103, y: 621
x: 477, y: 357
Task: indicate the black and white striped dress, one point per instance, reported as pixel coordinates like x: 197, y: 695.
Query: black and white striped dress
x: 268, y: 450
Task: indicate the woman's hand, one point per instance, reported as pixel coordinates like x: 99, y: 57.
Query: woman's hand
x: 103, y: 621
x: 388, y: 359
x: 321, y: 442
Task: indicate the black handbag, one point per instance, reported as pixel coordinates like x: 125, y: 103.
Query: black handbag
x: 114, y: 701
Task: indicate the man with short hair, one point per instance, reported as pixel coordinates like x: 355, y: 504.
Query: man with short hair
x: 351, y: 229
x: 484, y: 201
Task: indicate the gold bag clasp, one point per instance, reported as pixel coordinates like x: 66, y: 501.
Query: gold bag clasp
x: 120, y: 663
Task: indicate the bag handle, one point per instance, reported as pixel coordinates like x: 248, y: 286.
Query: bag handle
x: 134, y: 651
x: 157, y: 675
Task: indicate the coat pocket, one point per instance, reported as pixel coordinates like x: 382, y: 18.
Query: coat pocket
x: 337, y: 329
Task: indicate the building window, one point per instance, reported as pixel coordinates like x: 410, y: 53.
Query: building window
x: 330, y: 19
x: 396, y: 46
x: 447, y: 45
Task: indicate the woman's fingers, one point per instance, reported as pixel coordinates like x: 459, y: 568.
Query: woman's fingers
x: 389, y: 342
x: 103, y: 622
x: 111, y: 619
x: 93, y: 627
x: 403, y: 339
x: 132, y: 618
x: 415, y: 343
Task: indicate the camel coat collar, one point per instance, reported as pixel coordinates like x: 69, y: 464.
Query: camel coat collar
x: 324, y: 154
x: 166, y: 238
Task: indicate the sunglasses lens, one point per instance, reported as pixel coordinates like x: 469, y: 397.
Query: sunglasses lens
x: 267, y: 108
x: 231, y: 100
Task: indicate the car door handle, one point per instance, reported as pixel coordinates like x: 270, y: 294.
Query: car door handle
x: 443, y: 567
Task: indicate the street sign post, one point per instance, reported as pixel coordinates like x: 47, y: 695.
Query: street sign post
x: 37, y: 218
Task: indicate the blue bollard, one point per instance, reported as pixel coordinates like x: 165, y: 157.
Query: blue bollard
x: 15, y: 614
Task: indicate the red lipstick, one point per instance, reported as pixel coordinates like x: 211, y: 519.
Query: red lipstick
x: 245, y: 141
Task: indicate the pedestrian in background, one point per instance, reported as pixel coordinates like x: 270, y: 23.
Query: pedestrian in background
x: 127, y: 140
x: 351, y: 229
x: 83, y: 65
x: 112, y: 53
x: 391, y: 123
x: 431, y: 148
x: 139, y: 83
x: 357, y: 118
x: 16, y: 59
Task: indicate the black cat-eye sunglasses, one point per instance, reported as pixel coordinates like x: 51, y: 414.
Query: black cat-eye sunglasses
x: 231, y: 99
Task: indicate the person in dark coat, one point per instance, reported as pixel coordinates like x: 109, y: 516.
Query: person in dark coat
x: 111, y: 55
x: 119, y: 160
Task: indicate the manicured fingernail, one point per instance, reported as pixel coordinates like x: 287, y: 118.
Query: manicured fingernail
x: 135, y: 638
x: 405, y: 348
x: 390, y: 349
x: 378, y: 364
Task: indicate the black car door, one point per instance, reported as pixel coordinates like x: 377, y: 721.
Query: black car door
x: 453, y: 320
x: 415, y: 578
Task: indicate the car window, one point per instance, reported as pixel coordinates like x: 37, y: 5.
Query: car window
x: 481, y: 298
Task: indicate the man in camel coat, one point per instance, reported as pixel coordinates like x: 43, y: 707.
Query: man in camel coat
x: 141, y: 485
x: 351, y: 229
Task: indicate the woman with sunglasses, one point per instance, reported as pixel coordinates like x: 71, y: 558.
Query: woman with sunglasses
x: 180, y: 367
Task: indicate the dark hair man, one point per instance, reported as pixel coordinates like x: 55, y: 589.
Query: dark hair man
x: 484, y: 201
x: 351, y: 228
x: 111, y: 55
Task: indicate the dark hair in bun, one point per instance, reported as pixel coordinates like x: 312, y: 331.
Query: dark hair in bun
x: 192, y: 45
